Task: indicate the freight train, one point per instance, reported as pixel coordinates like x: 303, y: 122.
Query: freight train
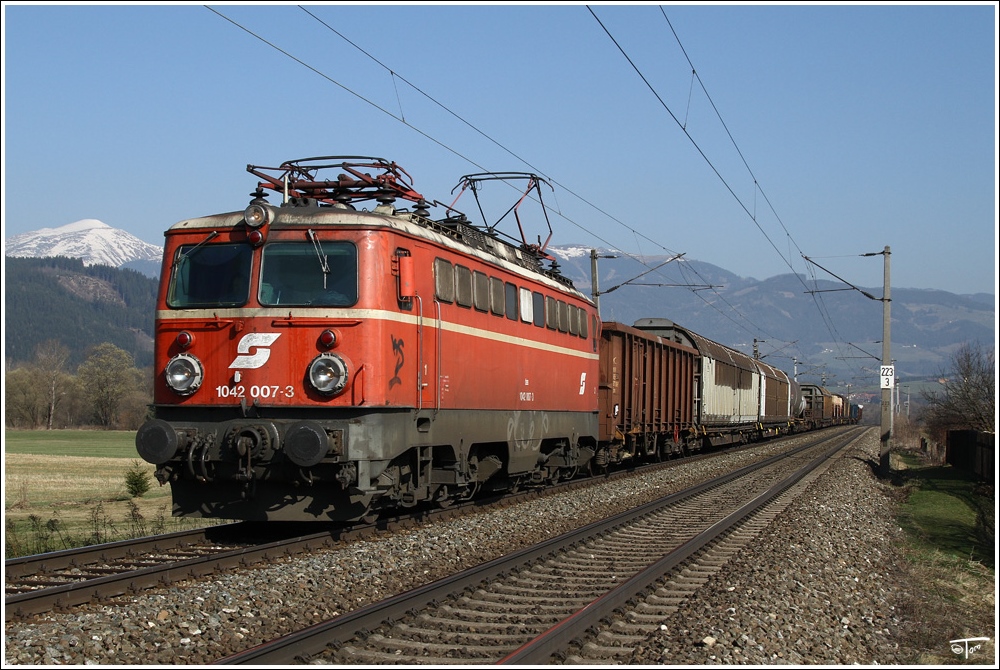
x: 318, y: 360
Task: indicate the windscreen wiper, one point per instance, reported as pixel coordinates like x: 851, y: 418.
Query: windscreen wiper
x: 212, y: 235
x: 323, y: 265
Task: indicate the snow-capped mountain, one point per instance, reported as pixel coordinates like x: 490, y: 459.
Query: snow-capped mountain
x: 93, y: 241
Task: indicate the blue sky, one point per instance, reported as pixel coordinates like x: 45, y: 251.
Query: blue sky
x: 862, y: 125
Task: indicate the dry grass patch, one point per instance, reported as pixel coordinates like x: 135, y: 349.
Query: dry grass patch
x: 950, y: 599
x: 41, y: 482
x: 58, y: 502
x: 949, y: 570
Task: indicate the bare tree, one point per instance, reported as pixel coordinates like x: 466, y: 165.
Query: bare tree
x: 109, y: 376
x: 50, y: 364
x: 968, y: 399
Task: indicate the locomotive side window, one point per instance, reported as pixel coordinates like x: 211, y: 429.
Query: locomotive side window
x: 510, y: 302
x: 538, y: 305
x: 463, y: 286
x: 444, y: 280
x: 574, y: 319
x: 301, y: 273
x: 481, y: 291
x: 551, y: 313
x: 497, y: 296
x: 527, y: 315
x: 210, y: 275
x: 563, y: 317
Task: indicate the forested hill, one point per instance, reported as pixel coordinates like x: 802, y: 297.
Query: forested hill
x: 61, y: 299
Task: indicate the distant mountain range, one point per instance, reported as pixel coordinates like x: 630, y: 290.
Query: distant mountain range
x: 813, y: 327
x: 828, y: 334
x: 92, y: 241
x: 77, y: 305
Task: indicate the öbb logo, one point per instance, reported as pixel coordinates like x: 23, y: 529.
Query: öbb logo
x: 260, y: 341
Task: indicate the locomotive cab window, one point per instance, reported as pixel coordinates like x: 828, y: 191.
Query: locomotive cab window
x: 210, y: 275
x: 301, y: 273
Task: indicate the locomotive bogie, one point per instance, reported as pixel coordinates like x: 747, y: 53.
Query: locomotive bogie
x: 342, y: 471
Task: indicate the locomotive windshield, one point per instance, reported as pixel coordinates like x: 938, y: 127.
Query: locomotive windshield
x: 321, y: 274
x: 210, y: 275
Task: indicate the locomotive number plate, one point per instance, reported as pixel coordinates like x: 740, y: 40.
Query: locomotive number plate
x: 255, y: 391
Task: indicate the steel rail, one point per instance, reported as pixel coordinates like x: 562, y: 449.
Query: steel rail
x: 301, y: 646
x: 79, y: 593
x: 540, y: 650
x: 86, y: 590
x: 77, y: 557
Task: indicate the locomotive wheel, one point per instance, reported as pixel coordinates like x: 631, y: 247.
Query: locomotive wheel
x: 470, y: 491
x: 442, y: 499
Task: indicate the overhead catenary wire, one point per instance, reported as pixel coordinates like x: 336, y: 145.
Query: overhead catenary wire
x: 396, y: 75
x: 401, y: 119
x: 754, y: 327
x: 820, y: 305
x: 684, y: 268
x: 636, y: 233
x: 824, y: 313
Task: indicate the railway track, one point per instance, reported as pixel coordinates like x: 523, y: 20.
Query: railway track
x: 584, y: 597
x: 60, y: 580
x: 73, y: 577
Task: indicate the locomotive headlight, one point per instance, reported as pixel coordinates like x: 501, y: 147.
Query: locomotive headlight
x: 184, y: 374
x: 328, y: 374
x: 256, y: 215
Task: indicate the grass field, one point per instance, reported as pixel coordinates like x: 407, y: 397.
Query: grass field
x: 66, y: 488
x: 77, y: 443
x: 950, y: 522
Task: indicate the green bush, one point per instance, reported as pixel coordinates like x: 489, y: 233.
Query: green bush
x: 136, y: 480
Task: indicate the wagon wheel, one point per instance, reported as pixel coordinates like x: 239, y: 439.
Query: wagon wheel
x: 593, y: 469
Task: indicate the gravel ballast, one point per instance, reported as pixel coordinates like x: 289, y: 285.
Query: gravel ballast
x: 821, y: 585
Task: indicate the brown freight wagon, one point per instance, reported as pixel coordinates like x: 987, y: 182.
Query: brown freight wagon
x: 822, y: 408
x: 738, y: 399
x: 646, y: 399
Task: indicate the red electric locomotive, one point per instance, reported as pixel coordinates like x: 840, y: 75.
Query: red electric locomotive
x: 317, y: 360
